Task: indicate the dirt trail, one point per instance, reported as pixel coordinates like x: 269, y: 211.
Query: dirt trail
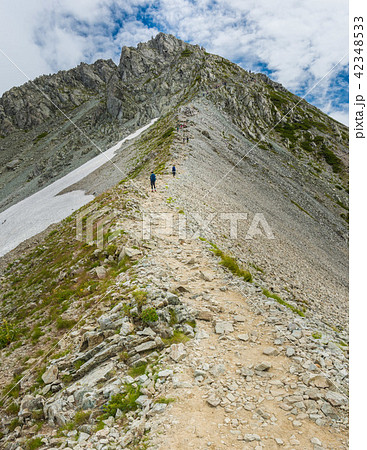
x: 247, y: 408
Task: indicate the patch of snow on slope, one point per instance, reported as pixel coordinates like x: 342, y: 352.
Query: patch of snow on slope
x: 35, y: 213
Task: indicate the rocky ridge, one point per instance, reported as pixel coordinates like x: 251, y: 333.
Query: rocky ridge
x: 203, y: 358
x: 39, y: 140
x: 151, y: 340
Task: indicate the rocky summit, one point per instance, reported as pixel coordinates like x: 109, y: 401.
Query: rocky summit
x: 210, y: 313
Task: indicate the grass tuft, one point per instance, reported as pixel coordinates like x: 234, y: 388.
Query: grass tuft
x: 283, y: 302
x: 231, y: 264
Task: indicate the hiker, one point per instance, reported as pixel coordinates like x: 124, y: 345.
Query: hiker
x: 152, y: 181
x: 187, y: 139
x: 174, y: 171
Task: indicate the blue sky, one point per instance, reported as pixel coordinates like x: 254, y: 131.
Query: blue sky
x: 294, y: 42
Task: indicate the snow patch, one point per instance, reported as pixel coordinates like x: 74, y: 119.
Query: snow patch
x: 38, y: 211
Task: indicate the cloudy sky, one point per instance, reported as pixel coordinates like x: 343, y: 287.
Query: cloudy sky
x: 295, y: 42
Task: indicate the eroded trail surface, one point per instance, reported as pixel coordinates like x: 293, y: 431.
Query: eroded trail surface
x: 249, y: 378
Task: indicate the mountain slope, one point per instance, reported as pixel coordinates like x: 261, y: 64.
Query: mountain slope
x: 106, y: 102
x: 170, y: 325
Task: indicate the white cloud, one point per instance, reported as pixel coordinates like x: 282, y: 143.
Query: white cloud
x: 298, y: 41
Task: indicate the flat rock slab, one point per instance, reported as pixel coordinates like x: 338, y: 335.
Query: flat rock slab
x: 93, y: 377
x: 270, y: 351
x: 148, y: 345
x: 243, y: 337
x: 205, y: 314
x: 222, y: 327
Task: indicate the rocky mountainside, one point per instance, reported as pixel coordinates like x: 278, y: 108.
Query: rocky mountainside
x: 55, y: 123
x: 168, y: 326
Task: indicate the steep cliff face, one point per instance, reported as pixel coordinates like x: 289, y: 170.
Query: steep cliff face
x: 57, y: 122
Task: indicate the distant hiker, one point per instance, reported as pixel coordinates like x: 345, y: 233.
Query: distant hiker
x: 187, y: 139
x: 152, y: 181
x: 174, y: 171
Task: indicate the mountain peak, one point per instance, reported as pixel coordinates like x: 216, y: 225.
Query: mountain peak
x: 154, y: 54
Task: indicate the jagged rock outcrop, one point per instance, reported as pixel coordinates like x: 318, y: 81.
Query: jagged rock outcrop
x: 106, y: 101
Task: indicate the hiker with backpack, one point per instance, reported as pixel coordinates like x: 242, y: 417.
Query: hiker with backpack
x: 174, y: 171
x: 152, y: 181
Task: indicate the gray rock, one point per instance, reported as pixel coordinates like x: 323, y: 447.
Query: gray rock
x: 131, y: 252
x: 101, y: 272
x: 213, y: 401
x: 336, y: 399
x: 177, y: 352
x: 263, y: 366
x: 247, y: 372
x: 243, y: 337
x: 158, y: 408
x: 165, y: 373
x: 297, y: 334
x: 270, y: 351
x: 51, y: 374
x: 222, y: 327
x: 83, y: 437
x: 110, y: 321
x: 53, y: 413
x: 251, y: 437
x: 149, y: 345
x: 206, y: 276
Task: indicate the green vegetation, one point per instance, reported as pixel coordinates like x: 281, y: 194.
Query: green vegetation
x: 14, y: 423
x: 186, y: 53
x: 168, y: 133
x: 124, y: 401
x: 341, y: 204
x: 316, y: 335
x: 138, y: 370
x: 64, y: 324
x: 37, y: 333
x: 277, y: 99
x: 256, y: 267
x: 282, y: 302
x: 306, y: 145
x: 8, y: 333
x: 331, y: 159
x: 12, y: 389
x: 345, y: 217
x: 231, y: 264
x: 149, y: 315
x: 39, y: 137
x: 13, y: 408
x: 177, y: 338
x: 140, y: 297
x: 173, y: 317
x: 81, y: 418
x: 165, y: 400
x: 302, y: 209
x: 34, y: 443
